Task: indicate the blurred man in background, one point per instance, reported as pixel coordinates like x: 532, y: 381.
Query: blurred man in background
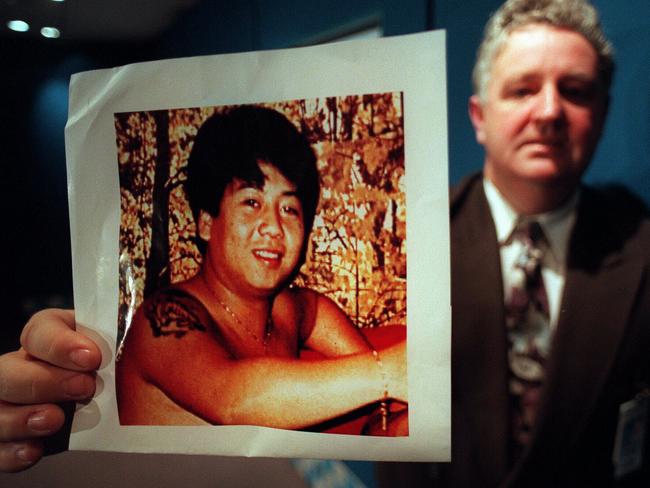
x: 550, y: 279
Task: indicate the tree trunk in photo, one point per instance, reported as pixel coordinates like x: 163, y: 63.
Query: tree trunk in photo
x: 158, y: 261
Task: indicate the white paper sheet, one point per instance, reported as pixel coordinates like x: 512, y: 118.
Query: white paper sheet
x: 413, y: 66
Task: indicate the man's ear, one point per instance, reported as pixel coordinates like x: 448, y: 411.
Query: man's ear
x: 475, y: 108
x: 204, y: 225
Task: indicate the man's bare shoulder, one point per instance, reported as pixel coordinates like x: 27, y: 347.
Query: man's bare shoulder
x: 311, y: 300
x: 170, y: 321
x: 322, y: 321
x: 296, y: 305
x: 174, y: 312
x: 170, y: 343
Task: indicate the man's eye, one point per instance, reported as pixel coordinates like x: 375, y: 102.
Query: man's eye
x: 578, y: 94
x: 521, y: 92
x: 251, y: 202
x: 291, y: 210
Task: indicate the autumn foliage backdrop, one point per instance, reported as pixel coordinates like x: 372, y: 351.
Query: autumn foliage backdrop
x: 357, y: 253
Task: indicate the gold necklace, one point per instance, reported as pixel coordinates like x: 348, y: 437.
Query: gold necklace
x: 268, y: 328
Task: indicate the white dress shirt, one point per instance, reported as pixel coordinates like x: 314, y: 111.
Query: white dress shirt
x: 557, y: 226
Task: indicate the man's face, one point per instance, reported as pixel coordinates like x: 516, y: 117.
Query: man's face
x: 255, y: 241
x: 543, y: 111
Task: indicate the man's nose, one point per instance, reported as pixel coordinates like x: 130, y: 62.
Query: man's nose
x: 270, y: 223
x: 549, y: 104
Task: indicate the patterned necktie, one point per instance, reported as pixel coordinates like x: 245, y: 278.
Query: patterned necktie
x: 528, y: 330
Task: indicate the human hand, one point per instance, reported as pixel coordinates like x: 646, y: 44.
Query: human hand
x: 54, y: 364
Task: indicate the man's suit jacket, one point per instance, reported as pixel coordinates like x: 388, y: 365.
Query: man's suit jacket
x: 600, y: 353
x: 599, y: 357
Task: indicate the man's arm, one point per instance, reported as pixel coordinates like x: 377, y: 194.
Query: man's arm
x: 196, y: 372
x: 54, y: 364
x: 323, y: 326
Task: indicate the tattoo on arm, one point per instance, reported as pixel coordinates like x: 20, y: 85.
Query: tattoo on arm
x: 174, y: 313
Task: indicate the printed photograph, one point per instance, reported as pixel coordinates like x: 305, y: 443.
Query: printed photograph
x: 263, y: 266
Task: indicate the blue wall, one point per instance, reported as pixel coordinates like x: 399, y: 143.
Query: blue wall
x: 624, y: 152
x: 219, y: 27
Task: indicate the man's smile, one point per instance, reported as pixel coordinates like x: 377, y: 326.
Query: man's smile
x: 268, y: 255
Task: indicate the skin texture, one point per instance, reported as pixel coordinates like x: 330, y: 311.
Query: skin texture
x: 248, y: 387
x: 542, y: 117
x: 253, y: 246
x: 55, y: 364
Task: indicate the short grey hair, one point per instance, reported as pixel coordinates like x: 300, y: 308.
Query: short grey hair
x: 577, y: 15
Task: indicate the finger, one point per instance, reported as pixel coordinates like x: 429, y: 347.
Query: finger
x: 18, y: 422
x: 16, y: 456
x: 25, y: 380
x: 50, y: 336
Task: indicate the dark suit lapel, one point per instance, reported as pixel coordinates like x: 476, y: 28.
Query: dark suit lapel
x: 596, y: 305
x: 479, y: 344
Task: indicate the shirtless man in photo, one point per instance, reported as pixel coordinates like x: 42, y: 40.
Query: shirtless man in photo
x: 224, y: 347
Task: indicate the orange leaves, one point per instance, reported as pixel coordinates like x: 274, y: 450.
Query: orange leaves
x: 358, y: 254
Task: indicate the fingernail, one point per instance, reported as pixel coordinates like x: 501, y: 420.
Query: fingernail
x: 78, y: 387
x: 26, y: 455
x: 82, y: 358
x: 38, y: 422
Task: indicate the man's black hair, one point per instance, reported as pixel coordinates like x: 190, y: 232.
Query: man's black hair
x: 230, y: 144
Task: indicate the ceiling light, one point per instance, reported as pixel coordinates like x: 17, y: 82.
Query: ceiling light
x: 58, y: 1
x: 50, y: 32
x: 18, y: 25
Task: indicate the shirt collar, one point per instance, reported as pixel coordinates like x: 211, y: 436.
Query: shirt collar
x: 556, y: 224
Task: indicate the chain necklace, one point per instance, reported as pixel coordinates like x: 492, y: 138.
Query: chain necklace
x: 268, y: 328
